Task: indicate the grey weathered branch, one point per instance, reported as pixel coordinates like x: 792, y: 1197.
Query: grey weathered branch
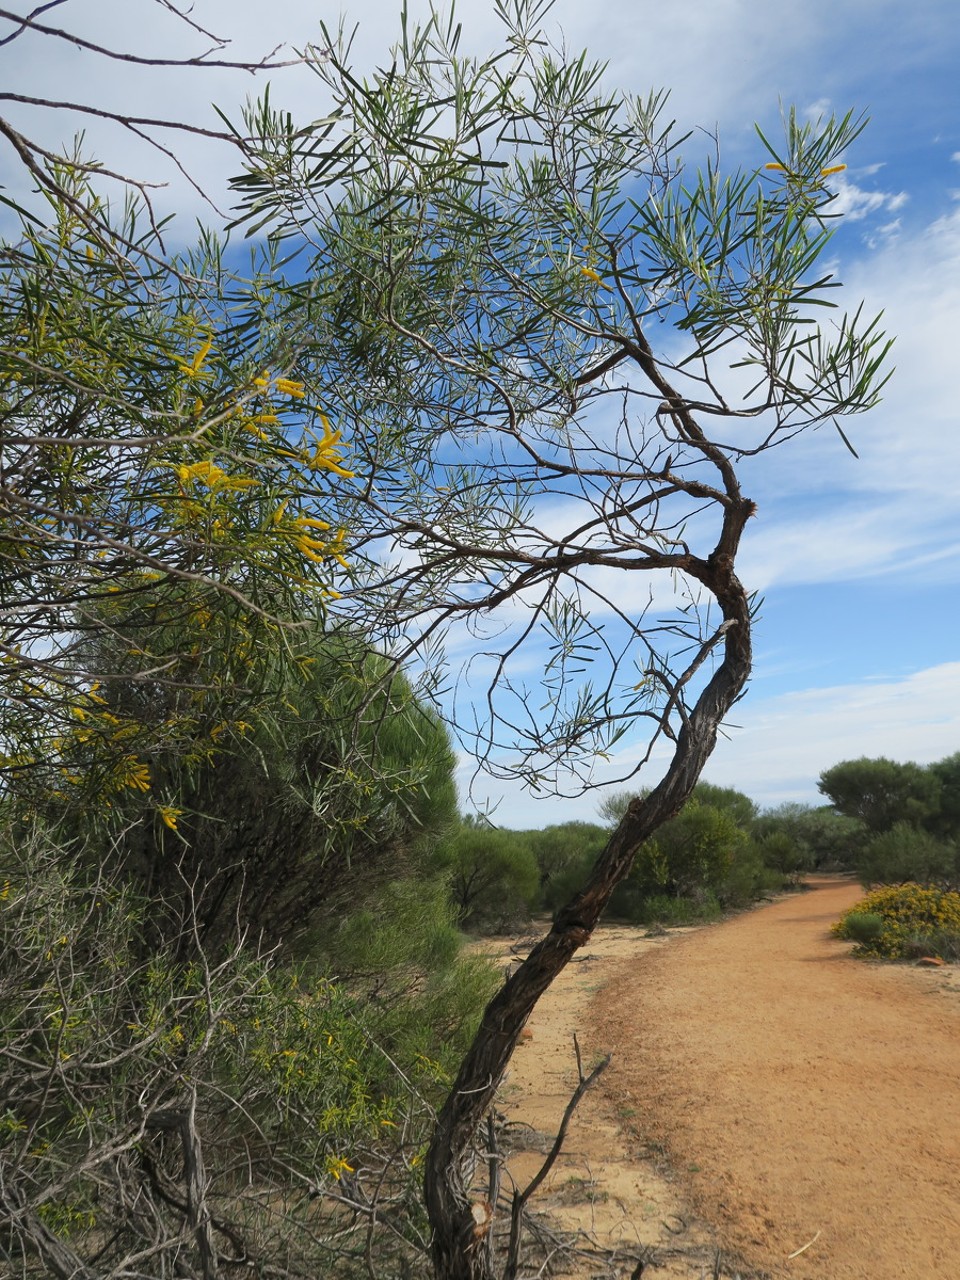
x: 521, y: 1198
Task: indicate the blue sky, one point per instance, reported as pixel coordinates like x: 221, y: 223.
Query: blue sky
x: 857, y: 560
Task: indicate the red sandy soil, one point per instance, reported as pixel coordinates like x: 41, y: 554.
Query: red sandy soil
x: 606, y: 1183
x: 798, y: 1091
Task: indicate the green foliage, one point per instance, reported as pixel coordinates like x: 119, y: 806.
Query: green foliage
x: 905, y: 853
x: 716, y: 853
x: 476, y: 244
x: 863, y: 927
x: 881, y: 792
x: 493, y: 875
x: 300, y: 1078
x: 944, y: 943
x: 564, y: 853
x: 465, y: 271
x: 691, y: 854
x: 614, y: 805
x: 268, y: 811
x: 945, y: 824
x: 151, y: 441
x: 560, y: 846
x: 909, y: 815
x: 663, y: 909
x: 780, y: 851
x: 751, y: 876
x: 728, y: 800
x: 104, y: 1054
x: 819, y: 837
x: 912, y: 917
x: 401, y: 954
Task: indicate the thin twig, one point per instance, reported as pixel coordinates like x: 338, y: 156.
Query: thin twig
x: 520, y: 1199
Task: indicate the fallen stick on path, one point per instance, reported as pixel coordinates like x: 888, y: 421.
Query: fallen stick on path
x: 803, y: 1248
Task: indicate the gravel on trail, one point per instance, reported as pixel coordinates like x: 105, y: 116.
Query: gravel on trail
x: 802, y: 1095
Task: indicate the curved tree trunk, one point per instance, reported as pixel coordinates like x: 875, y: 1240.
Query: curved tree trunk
x: 459, y: 1221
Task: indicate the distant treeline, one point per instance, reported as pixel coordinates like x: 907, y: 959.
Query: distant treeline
x: 886, y: 822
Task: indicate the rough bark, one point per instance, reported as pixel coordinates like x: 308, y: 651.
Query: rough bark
x: 457, y: 1239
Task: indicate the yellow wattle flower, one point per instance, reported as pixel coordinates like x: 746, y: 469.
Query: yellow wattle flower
x: 337, y: 1166
x: 287, y: 387
x: 169, y: 815
x: 834, y: 168
x: 594, y: 276
x: 194, y: 368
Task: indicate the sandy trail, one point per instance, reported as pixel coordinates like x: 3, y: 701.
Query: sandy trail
x: 797, y: 1090
x: 606, y: 1181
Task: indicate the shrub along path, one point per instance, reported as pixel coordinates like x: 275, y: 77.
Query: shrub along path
x: 798, y: 1090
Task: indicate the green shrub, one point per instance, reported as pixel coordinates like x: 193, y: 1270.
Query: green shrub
x: 565, y: 852
x: 562, y: 886
x: 782, y: 852
x: 662, y: 909
x: 818, y: 838
x: 401, y: 957
x: 865, y: 927
x: 288, y: 1080
x: 944, y: 943
x: 906, y: 853
x: 493, y: 876
x: 911, y: 915
x: 748, y: 877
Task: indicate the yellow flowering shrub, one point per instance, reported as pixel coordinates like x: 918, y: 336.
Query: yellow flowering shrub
x: 911, y: 914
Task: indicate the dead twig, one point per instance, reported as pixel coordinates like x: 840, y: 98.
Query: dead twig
x: 803, y: 1248
x: 520, y: 1198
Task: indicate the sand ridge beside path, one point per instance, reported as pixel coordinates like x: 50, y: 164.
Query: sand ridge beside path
x: 797, y: 1090
x: 606, y: 1182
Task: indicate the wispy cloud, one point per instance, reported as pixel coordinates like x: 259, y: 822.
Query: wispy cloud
x: 856, y: 203
x: 786, y: 742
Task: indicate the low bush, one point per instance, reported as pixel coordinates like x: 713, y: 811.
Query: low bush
x: 865, y: 927
x: 911, y: 916
x: 749, y: 878
x: 662, y: 909
x: 905, y: 853
x: 944, y: 943
x: 494, y: 878
x: 120, y: 1073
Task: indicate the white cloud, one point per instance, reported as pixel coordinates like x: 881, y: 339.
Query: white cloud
x: 884, y: 235
x: 787, y: 741
x: 823, y: 516
x: 818, y: 110
x: 757, y: 54
x: 831, y: 547
x: 855, y: 203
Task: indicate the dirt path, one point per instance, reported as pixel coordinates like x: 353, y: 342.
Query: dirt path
x: 606, y: 1182
x: 797, y: 1091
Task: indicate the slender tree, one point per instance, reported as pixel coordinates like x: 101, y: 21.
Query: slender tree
x: 555, y: 349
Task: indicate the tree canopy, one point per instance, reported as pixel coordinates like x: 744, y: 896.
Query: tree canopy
x: 907, y: 815
x: 551, y: 344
